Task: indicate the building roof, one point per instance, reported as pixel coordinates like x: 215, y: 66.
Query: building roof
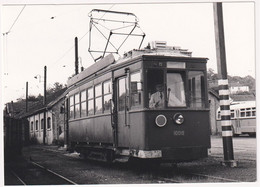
x: 18, y: 109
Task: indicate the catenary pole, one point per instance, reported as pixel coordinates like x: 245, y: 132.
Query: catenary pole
x: 223, y: 87
x: 26, y: 99
x: 44, y: 104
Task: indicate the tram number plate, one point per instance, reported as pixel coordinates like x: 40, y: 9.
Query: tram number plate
x: 178, y: 133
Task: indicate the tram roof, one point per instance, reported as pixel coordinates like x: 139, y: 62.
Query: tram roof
x: 110, y: 62
x: 242, y: 104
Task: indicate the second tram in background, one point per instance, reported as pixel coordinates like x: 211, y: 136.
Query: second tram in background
x: 243, y: 118
x: 150, y: 104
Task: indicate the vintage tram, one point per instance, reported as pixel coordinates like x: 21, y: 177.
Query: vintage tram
x: 243, y: 118
x: 113, y: 112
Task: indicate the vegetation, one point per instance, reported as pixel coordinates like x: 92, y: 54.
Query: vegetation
x: 234, y: 81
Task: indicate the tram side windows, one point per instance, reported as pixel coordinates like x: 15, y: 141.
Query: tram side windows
x: 175, y: 90
x: 98, y: 99
x: 156, y: 92
x: 77, y: 106
x: 253, y: 111
x: 71, y: 107
x: 136, y: 89
x: 90, y: 101
x: 196, y: 89
x: 83, y: 107
x: 32, y: 126
x: 107, y: 89
x: 242, y: 113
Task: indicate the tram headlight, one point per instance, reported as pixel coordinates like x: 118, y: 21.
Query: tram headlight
x: 178, y: 118
x: 160, y: 120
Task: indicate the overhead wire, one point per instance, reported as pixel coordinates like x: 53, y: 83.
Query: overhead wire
x: 67, y: 51
x: 16, y: 19
x: 5, y: 41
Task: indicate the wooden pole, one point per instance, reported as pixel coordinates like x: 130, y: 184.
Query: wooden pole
x: 223, y: 87
x: 44, y: 103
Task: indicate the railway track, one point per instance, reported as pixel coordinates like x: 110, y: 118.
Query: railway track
x: 182, y: 175
x: 43, y: 176
x: 195, y: 176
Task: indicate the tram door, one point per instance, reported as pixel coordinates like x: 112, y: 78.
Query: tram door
x: 122, y: 112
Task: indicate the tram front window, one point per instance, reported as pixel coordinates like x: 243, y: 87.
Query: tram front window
x: 165, y: 93
x: 175, y: 90
x: 155, y: 79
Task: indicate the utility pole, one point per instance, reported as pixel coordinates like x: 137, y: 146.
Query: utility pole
x: 44, y: 104
x: 76, y: 57
x: 26, y: 98
x: 223, y: 87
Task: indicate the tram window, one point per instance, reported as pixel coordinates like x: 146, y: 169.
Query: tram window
x: 36, y: 125
x: 107, y: 87
x: 98, y: 99
x: 122, y: 94
x: 48, y: 123
x: 242, y: 114
x: 83, y: 108
x: 77, y: 107
x: 196, y: 89
x: 253, y: 113
x: 155, y: 82
x: 90, y: 101
x: 71, y: 107
x: 42, y: 123
x: 135, y: 89
x: 248, y: 113
x: 175, y: 90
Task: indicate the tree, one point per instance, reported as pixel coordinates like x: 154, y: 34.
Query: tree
x: 56, y: 87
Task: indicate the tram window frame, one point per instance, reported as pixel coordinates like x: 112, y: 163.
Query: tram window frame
x: 248, y: 113
x: 83, y: 102
x: 77, y: 105
x: 107, y: 95
x: 90, y: 101
x: 135, y: 90
x: 183, y: 100
x: 71, y: 103
x: 192, y: 84
x: 253, y: 112
x: 150, y: 87
x: 242, y: 113
x: 122, y: 105
x: 98, y: 99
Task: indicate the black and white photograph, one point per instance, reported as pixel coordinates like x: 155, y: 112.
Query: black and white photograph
x: 149, y: 92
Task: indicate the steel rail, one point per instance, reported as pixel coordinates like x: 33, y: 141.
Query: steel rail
x: 17, y: 177
x: 214, y: 177
x: 56, y: 174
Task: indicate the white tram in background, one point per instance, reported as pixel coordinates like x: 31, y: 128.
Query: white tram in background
x: 243, y: 118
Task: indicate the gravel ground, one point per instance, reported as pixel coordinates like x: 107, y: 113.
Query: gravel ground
x: 83, y: 171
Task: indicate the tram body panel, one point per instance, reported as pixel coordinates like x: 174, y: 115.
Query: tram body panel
x: 97, y: 130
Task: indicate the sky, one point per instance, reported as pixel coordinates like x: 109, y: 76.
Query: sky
x: 43, y: 35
